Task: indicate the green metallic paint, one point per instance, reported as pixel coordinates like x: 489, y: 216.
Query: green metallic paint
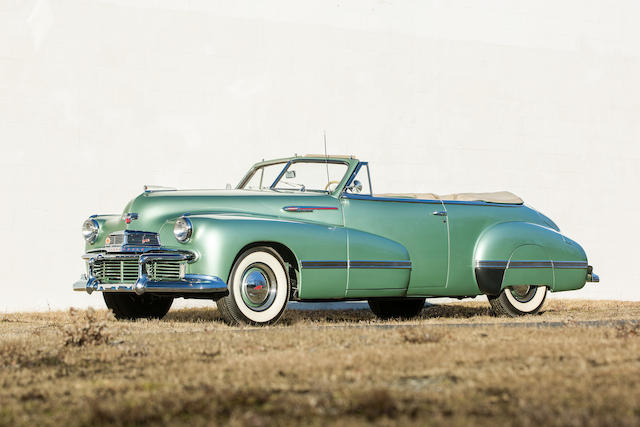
x: 411, y: 225
x: 219, y: 238
x: 469, y: 227
x: 520, y: 276
x: 367, y: 246
x: 530, y: 241
x: 443, y: 250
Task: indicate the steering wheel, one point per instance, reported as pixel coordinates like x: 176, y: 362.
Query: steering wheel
x: 326, y: 188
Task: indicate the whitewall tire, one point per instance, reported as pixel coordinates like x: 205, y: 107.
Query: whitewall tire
x: 519, y: 300
x: 258, y: 289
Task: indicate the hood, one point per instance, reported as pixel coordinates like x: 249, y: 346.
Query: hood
x: 153, y: 209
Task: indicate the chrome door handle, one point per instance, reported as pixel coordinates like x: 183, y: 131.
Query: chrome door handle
x: 440, y: 213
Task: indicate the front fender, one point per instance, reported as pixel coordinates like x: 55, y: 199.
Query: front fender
x: 218, y: 238
x: 522, y: 253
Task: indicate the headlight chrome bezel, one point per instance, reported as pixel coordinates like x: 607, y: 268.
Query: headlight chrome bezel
x: 90, y: 229
x: 183, y: 229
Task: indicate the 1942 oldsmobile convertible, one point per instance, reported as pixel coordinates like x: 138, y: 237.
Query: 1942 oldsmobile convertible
x: 310, y: 228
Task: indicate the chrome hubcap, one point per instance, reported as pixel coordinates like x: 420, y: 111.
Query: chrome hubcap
x: 258, y: 287
x: 523, y: 293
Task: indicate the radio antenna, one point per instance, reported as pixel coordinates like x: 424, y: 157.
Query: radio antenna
x: 326, y: 156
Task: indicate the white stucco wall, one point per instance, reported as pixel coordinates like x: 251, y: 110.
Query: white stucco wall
x: 97, y: 98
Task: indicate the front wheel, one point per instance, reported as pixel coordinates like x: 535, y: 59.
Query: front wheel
x: 258, y: 289
x: 132, y: 306
x: 396, y: 308
x: 519, y: 300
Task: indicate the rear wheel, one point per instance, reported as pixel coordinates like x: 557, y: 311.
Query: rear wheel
x: 132, y: 306
x: 396, y: 308
x: 258, y: 289
x: 519, y: 300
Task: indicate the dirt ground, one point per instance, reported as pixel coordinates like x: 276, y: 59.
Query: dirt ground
x: 325, y: 367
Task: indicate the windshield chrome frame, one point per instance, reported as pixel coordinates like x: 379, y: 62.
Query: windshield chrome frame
x: 302, y: 160
x: 255, y: 169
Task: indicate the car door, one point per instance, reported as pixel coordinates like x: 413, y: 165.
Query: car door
x: 382, y: 232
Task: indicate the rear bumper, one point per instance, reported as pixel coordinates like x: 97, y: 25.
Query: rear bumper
x: 189, y: 284
x: 591, y: 276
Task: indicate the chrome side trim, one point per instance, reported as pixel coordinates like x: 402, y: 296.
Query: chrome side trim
x: 367, y: 264
x: 308, y: 208
x: 324, y: 264
x: 532, y: 264
x: 491, y: 264
x: 400, y: 265
x: 570, y: 264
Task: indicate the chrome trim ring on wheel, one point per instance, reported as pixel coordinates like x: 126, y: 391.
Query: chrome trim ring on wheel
x: 258, y: 287
x: 523, y: 293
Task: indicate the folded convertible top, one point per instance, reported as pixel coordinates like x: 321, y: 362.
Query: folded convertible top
x: 504, y: 197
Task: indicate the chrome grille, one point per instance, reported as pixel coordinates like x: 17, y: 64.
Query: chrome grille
x: 116, y: 239
x: 164, y: 270
x: 126, y: 270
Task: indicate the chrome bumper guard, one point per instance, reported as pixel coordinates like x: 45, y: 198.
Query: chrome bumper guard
x: 591, y: 276
x: 191, y: 283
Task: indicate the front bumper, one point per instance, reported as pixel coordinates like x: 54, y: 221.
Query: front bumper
x: 189, y: 284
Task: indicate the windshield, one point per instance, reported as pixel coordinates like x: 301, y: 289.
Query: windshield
x: 302, y: 175
x: 264, y: 177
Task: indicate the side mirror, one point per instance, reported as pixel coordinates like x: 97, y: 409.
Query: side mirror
x: 355, y: 187
x: 290, y: 174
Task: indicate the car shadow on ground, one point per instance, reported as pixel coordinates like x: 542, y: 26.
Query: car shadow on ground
x: 355, y: 315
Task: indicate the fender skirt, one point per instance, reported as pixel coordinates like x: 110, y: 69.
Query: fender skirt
x: 489, y: 280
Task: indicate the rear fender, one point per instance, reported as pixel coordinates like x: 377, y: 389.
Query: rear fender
x: 536, y: 274
x: 522, y: 253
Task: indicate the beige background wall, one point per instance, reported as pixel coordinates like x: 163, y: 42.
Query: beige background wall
x: 98, y: 98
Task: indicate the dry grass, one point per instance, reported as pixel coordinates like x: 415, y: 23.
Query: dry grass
x: 321, y: 368
x: 87, y: 327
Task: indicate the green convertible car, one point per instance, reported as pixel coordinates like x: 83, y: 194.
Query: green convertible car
x: 310, y: 228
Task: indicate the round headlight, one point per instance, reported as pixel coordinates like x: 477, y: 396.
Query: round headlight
x: 90, y: 230
x: 183, y: 229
